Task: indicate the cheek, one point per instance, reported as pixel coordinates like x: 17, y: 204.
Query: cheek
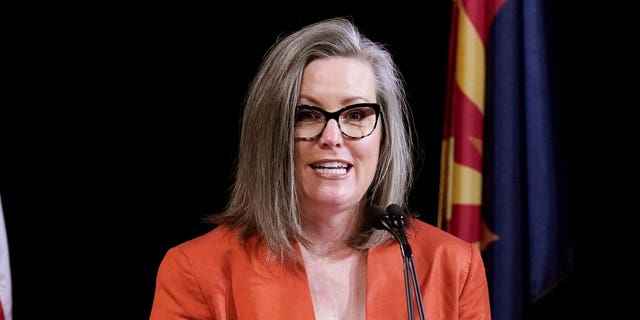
x: 369, y: 153
x: 373, y: 155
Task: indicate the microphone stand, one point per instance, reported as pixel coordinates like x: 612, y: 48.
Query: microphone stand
x: 394, y: 222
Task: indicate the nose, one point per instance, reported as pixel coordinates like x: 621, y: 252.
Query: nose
x: 331, y: 136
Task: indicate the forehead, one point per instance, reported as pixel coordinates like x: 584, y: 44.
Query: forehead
x: 338, y: 80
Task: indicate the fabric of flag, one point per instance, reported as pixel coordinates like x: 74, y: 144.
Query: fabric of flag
x: 500, y: 185
x: 5, y: 272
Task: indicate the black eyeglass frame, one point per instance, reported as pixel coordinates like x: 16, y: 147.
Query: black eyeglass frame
x: 336, y: 116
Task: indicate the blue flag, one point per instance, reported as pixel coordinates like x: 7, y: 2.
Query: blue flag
x: 523, y: 187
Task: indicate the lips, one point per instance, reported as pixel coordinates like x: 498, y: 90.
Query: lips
x: 331, y: 167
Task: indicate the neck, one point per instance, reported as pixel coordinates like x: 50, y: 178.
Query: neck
x: 328, y: 234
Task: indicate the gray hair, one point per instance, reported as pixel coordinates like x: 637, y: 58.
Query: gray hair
x: 263, y: 199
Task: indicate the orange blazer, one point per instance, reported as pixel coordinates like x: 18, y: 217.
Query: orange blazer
x: 215, y: 276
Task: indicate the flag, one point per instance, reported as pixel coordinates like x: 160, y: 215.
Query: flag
x: 500, y: 184
x: 5, y: 272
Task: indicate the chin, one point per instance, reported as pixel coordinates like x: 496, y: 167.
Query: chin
x: 333, y: 199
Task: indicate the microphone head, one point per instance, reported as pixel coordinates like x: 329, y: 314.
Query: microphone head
x: 396, y: 216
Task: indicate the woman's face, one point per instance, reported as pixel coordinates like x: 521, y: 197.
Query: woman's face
x: 334, y: 172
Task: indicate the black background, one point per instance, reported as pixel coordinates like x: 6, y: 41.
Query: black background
x: 121, y: 128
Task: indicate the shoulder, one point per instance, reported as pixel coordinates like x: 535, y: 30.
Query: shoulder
x: 453, y: 266
x: 422, y: 232
x: 215, y: 245
x: 216, y: 241
x: 436, y: 244
x: 191, y: 274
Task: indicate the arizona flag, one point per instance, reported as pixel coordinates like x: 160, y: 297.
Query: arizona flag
x: 500, y: 185
x: 5, y: 272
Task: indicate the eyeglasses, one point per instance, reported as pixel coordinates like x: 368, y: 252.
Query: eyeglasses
x: 355, y: 121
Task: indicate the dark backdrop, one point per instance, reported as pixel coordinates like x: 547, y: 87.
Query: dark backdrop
x: 122, y: 131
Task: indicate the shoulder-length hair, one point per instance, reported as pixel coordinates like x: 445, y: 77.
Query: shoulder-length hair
x: 263, y: 198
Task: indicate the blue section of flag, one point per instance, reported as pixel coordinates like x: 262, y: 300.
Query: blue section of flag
x: 522, y: 184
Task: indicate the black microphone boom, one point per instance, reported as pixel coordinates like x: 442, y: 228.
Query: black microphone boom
x: 394, y: 221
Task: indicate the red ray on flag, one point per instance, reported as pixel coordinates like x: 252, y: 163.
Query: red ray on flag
x: 461, y: 157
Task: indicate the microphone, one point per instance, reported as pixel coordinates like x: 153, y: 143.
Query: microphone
x: 394, y: 221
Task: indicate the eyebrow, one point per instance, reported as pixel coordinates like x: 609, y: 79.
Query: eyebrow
x: 343, y: 103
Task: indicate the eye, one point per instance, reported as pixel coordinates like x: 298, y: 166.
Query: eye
x: 308, y: 115
x: 358, y: 114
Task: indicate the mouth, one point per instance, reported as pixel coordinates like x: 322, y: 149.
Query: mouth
x: 331, y: 167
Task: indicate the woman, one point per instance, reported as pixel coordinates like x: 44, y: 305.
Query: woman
x: 325, y: 134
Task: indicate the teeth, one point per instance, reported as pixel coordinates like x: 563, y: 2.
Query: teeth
x: 331, y: 167
x: 328, y: 165
x: 331, y: 170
